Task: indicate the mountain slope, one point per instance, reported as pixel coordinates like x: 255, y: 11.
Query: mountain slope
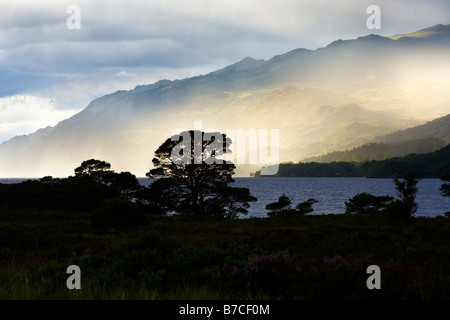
x: 438, y: 128
x: 381, y: 151
x: 436, y: 32
x: 353, y: 91
x: 423, y: 138
x: 315, y: 121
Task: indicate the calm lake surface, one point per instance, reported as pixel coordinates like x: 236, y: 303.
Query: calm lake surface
x: 332, y: 193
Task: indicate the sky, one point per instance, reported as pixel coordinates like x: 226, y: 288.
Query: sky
x: 57, y: 56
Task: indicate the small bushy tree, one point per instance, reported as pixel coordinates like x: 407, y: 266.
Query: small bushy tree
x: 231, y: 202
x: 124, y: 184
x: 306, y: 206
x: 407, y: 190
x: 403, y: 208
x: 93, y: 167
x: 283, y: 207
x: 367, y: 203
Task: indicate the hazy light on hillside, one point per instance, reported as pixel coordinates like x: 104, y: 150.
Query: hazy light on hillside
x: 26, y: 114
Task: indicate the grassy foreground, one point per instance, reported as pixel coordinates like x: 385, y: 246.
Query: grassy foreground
x: 304, y: 257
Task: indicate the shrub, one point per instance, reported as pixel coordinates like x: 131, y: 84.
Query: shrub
x: 407, y: 190
x: 283, y: 207
x: 306, y: 206
x: 274, y: 275
x: 119, y: 214
x: 404, y: 208
x: 367, y: 203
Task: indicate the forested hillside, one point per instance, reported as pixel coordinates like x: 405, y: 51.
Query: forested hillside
x: 381, y: 151
x: 430, y: 165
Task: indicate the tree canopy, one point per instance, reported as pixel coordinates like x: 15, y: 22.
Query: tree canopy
x: 92, y: 167
x: 367, y: 203
x: 93, y: 183
x: 405, y: 206
x: 429, y: 165
x: 194, y: 178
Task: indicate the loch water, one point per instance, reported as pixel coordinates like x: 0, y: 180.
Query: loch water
x: 332, y: 193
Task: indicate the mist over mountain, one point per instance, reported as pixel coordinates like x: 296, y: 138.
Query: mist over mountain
x: 332, y: 98
x: 437, y: 128
x: 424, y: 138
x: 381, y: 151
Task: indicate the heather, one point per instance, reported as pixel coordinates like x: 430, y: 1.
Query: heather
x: 305, y: 257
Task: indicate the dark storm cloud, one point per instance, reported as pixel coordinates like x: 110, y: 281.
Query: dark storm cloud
x: 176, y: 34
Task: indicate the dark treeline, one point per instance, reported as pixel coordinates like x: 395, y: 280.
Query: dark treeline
x: 94, y: 189
x: 72, y: 194
x: 118, y: 200
x: 430, y: 165
x: 382, y: 151
x: 92, y: 184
